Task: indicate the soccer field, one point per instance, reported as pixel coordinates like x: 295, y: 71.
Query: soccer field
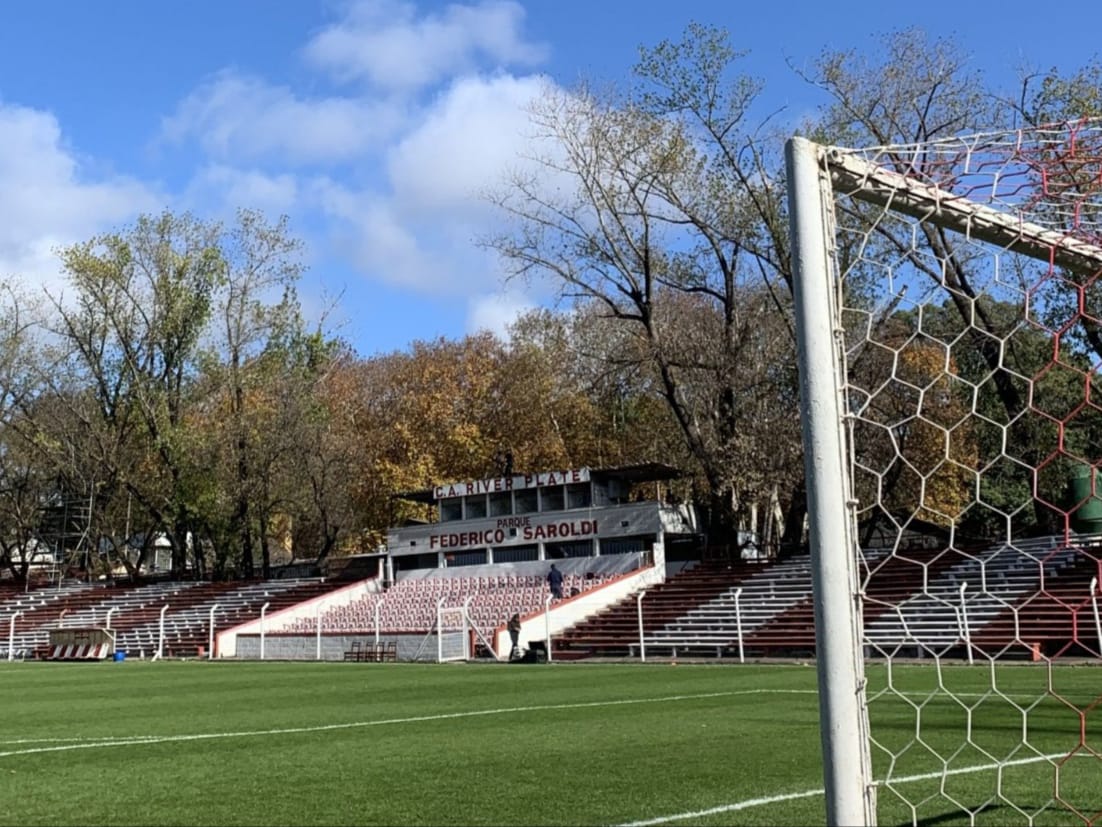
x: 213, y: 743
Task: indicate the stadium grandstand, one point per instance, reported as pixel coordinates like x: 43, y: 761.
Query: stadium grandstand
x: 638, y: 581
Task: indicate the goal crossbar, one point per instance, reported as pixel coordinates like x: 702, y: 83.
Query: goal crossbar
x: 865, y: 181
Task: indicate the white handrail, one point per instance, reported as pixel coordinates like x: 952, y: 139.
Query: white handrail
x: 107, y: 622
x: 263, y: 609
x: 439, y: 630
x: 161, y: 635
x: 11, y: 636
x: 547, y: 625
x: 738, y: 625
x: 378, y: 611
x: 210, y: 633
x: 639, y: 612
x: 469, y: 629
x: 1094, y: 605
x: 965, y: 632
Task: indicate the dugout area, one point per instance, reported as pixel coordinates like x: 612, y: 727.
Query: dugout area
x: 87, y: 643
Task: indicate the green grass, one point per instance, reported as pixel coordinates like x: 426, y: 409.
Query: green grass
x: 182, y: 743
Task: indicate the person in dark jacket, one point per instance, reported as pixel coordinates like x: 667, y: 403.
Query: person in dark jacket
x: 554, y: 580
x: 514, y: 635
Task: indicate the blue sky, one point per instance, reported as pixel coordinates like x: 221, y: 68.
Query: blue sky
x: 373, y: 125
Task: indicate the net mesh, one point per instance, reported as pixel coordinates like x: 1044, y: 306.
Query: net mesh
x: 970, y: 321
x: 454, y: 632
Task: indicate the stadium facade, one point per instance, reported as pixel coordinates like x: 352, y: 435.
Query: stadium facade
x: 545, y: 516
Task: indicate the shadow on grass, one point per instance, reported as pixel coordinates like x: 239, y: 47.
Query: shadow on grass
x: 990, y: 813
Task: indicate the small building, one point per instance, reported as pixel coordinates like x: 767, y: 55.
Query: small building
x: 550, y: 515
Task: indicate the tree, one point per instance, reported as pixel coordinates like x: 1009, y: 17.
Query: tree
x: 26, y: 482
x: 142, y: 303
x: 309, y: 458
x: 585, y: 395
x: 923, y: 91
x: 450, y: 410
x: 256, y: 325
x: 662, y: 203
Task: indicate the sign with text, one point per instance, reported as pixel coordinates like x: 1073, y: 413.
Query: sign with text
x: 513, y: 483
x: 512, y: 530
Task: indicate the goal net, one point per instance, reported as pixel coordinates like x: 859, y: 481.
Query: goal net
x: 453, y: 634
x: 949, y: 314
x: 449, y: 639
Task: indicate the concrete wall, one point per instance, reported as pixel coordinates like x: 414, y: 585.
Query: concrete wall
x: 226, y: 640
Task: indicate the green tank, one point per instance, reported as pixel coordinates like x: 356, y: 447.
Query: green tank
x: 1087, y: 518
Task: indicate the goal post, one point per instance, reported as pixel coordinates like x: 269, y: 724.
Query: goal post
x: 948, y: 309
x: 844, y: 722
x: 453, y: 634
x: 448, y: 638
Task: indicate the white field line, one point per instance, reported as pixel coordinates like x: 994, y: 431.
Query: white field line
x: 130, y: 740
x: 84, y: 742
x: 776, y: 799
x: 159, y: 738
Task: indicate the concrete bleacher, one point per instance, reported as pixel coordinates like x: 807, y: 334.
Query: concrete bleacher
x: 38, y: 609
x: 175, y: 618
x: 134, y: 612
x: 939, y: 616
x: 1058, y: 618
x: 410, y: 605
x: 912, y: 605
x: 614, y: 631
x: 999, y: 600
x: 188, y: 630
x: 405, y: 612
x: 716, y: 625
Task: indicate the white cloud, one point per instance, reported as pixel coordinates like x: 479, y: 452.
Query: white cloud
x: 382, y: 246
x: 46, y: 202
x: 224, y: 189
x: 477, y: 131
x: 385, y: 43
x: 429, y: 258
x: 418, y: 228
x: 236, y: 117
x: 389, y: 184
x: 495, y: 312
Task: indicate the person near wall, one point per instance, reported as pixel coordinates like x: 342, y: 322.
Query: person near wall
x: 554, y: 580
x: 514, y: 635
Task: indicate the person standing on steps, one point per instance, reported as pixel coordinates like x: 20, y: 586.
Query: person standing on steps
x: 554, y: 580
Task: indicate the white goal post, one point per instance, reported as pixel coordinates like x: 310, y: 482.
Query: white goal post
x: 843, y: 717
x: 453, y: 637
x: 948, y: 307
x: 452, y: 634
